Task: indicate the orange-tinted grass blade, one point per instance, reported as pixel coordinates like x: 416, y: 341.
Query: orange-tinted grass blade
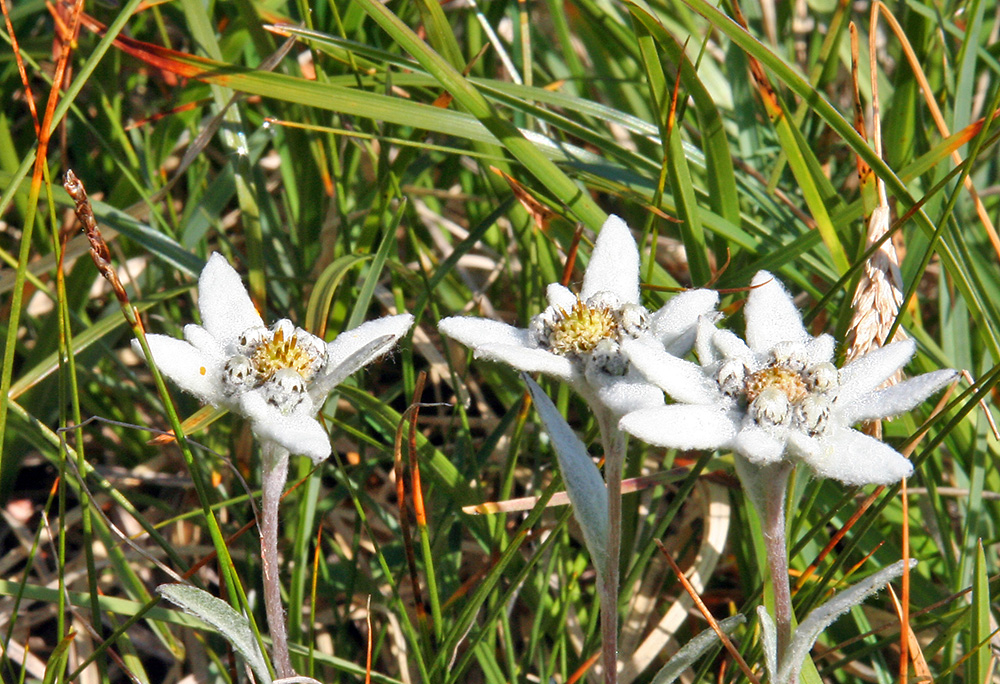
x: 28, y: 95
x: 857, y: 566
x: 706, y: 613
x: 314, y: 584
x: 173, y: 110
x: 443, y: 101
x: 526, y: 503
x: 181, y: 63
x: 865, y: 174
x: 662, y: 214
x: 574, y: 247
x: 583, y: 669
x: 916, y: 654
x: 835, y: 539
x: 905, y: 633
x: 468, y: 584
x: 197, y: 421
x: 538, y: 211
x: 418, y: 495
x: 404, y: 514
x: 982, y: 405
x: 368, y: 642
x: 672, y: 114
x: 939, y: 121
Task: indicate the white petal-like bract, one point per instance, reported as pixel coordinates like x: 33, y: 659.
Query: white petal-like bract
x: 277, y: 377
x: 682, y: 426
x: 297, y: 432
x: 343, y: 350
x: 473, y: 332
x: 866, y: 373
x: 225, y: 307
x: 614, y: 264
x: 581, y: 340
x: 675, y: 323
x: 559, y: 296
x: 771, y: 315
x: 782, y: 392
x: 529, y: 360
x: 192, y: 370
x: 682, y: 380
x: 855, y: 458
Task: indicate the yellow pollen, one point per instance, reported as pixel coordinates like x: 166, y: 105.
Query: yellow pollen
x: 787, y: 381
x: 276, y: 354
x: 579, y: 330
x: 203, y: 370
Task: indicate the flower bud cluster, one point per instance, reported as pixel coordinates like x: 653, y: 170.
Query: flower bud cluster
x: 591, y: 331
x: 280, y: 361
x: 787, y: 392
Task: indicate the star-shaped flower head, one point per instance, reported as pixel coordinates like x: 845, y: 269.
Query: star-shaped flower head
x: 778, y: 395
x: 578, y: 339
x: 278, y: 377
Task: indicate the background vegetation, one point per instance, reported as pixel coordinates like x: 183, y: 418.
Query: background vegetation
x: 351, y: 166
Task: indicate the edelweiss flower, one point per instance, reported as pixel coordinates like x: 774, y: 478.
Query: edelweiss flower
x: 579, y: 339
x: 779, y: 395
x: 278, y: 377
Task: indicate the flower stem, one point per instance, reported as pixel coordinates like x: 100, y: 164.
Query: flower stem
x: 614, y: 458
x: 766, y: 487
x: 275, y: 467
x: 777, y: 553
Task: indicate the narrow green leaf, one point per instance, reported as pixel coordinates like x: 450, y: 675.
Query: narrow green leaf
x: 695, y: 648
x: 978, y: 664
x: 56, y: 664
x: 466, y: 94
x: 584, y: 485
x: 220, y: 615
x: 720, y: 175
x: 318, y: 307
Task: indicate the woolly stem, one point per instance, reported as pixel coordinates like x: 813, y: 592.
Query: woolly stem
x: 777, y: 554
x: 274, y: 461
x: 614, y: 458
x: 766, y: 487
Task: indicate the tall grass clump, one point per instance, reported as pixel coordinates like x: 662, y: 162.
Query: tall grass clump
x: 581, y: 475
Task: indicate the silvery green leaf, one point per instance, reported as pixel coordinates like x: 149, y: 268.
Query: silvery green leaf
x: 821, y: 618
x: 694, y: 649
x: 769, y: 635
x: 220, y: 615
x: 584, y: 485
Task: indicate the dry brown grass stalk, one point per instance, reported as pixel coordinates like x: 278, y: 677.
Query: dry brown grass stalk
x: 879, y: 294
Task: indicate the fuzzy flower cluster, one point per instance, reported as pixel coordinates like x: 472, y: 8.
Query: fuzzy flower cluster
x: 778, y: 395
x: 775, y: 396
x: 579, y: 338
x: 279, y: 376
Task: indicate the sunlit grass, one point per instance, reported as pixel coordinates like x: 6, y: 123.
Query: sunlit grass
x: 353, y: 176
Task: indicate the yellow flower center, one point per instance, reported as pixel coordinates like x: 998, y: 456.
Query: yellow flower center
x: 579, y: 330
x: 786, y: 381
x: 277, y: 353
